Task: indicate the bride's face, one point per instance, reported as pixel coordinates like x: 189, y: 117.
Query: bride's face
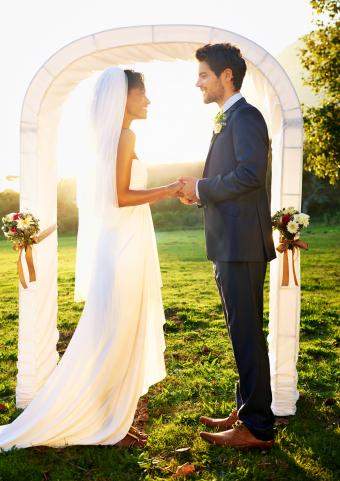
x: 137, y: 103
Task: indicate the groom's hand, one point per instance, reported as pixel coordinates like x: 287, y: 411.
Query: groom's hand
x: 189, y: 190
x: 186, y: 201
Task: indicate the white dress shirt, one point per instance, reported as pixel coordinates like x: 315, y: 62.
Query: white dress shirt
x: 231, y: 101
x: 227, y: 104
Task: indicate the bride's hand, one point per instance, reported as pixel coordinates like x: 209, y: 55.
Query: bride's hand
x: 174, y: 189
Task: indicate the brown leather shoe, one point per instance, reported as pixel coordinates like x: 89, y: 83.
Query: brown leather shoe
x: 237, y: 437
x: 225, y: 423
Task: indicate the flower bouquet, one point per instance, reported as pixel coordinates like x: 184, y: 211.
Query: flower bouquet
x: 289, y: 222
x: 22, y: 229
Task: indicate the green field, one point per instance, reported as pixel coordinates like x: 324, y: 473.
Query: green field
x: 201, y: 376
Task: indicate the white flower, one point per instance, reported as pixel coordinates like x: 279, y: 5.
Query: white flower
x: 219, y: 121
x: 24, y: 223
x: 29, y: 218
x: 289, y: 210
x: 302, y: 219
x: 10, y: 216
x: 292, y: 227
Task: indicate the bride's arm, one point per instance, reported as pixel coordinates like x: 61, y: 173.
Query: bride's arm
x: 126, y: 196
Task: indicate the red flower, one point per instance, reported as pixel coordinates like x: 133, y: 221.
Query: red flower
x: 285, y: 219
x: 14, y: 229
x: 16, y: 216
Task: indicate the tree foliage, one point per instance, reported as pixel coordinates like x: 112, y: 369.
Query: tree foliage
x: 320, y: 57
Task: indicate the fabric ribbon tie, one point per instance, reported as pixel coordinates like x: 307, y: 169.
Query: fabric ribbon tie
x: 29, y: 255
x: 283, y: 247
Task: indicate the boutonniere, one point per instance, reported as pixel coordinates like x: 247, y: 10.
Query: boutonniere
x: 220, y: 121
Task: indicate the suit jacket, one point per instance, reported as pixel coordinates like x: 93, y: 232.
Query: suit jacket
x: 233, y: 193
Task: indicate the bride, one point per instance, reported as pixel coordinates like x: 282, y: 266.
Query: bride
x: 116, y: 352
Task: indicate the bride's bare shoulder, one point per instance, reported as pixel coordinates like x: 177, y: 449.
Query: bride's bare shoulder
x: 126, y: 144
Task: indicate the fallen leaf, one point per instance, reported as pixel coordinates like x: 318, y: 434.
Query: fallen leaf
x: 185, y: 470
x: 182, y: 450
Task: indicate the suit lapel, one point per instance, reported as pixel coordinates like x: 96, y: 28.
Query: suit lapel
x: 213, y: 138
x: 229, y: 113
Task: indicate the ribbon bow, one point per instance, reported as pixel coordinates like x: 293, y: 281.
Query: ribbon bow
x: 29, y: 255
x: 283, y: 247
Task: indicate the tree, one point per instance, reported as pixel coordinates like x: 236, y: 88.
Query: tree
x: 67, y: 207
x: 9, y: 202
x: 320, y: 57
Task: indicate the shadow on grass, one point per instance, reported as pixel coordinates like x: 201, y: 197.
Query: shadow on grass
x: 179, y: 319
x: 305, y: 450
x: 74, y: 463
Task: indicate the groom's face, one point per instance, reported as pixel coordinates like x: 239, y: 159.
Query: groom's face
x: 210, y: 85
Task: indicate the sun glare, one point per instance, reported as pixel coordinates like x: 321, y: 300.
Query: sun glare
x: 178, y: 128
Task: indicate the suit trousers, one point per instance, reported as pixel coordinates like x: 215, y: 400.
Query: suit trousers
x: 240, y: 285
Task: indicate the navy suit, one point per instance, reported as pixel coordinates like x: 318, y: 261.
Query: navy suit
x: 239, y: 242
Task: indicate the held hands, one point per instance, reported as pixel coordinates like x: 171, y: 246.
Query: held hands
x: 175, y: 189
x: 185, y: 189
x: 188, y: 191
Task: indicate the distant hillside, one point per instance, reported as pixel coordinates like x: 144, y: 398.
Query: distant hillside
x: 161, y: 174
x: 290, y: 61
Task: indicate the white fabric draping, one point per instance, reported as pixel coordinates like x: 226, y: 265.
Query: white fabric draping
x: 117, y: 350
x: 272, y: 93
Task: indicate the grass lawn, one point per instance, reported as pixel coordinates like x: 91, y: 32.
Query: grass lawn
x: 201, y: 376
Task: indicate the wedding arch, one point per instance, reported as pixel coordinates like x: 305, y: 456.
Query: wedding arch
x: 274, y: 95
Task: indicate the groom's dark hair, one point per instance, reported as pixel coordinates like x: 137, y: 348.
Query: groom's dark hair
x: 220, y: 56
x: 135, y: 80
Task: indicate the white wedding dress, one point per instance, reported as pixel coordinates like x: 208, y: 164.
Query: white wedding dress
x: 117, y: 350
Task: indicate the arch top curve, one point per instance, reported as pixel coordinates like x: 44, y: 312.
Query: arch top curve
x: 127, y: 45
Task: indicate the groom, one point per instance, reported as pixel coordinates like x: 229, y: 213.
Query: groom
x: 239, y: 241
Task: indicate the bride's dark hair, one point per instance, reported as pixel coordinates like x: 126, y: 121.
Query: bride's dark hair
x: 135, y: 80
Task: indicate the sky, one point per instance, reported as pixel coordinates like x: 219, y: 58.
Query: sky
x: 30, y: 32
